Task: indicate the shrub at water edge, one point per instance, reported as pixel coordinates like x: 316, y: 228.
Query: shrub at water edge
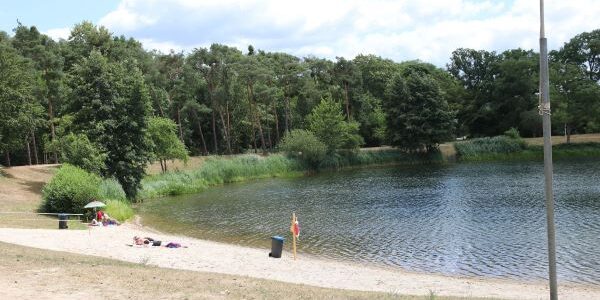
x: 305, y: 146
x: 70, y: 190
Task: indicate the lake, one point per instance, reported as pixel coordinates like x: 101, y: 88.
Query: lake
x: 477, y: 219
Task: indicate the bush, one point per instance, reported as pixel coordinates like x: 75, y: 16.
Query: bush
x: 70, y: 190
x: 512, y: 133
x: 304, y: 145
x: 119, y: 210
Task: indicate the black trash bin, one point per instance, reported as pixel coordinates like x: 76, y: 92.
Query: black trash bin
x: 62, y: 221
x: 276, y: 246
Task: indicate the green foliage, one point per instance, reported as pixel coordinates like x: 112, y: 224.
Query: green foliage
x: 583, y: 50
x: 165, y: 144
x: 498, y: 88
x: 110, y: 105
x: 480, y: 148
x: 575, y: 98
x: 119, y: 209
x: 70, y: 190
x: 327, y: 123
x: 304, y: 145
x: 419, y: 118
x: 110, y: 189
x: 106, y: 87
x: 372, y: 119
x: 19, y: 112
x: 77, y: 150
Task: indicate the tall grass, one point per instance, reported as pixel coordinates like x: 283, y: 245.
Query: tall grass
x: 563, y: 151
x: 111, y: 189
x: 120, y: 210
x: 489, y: 148
x: 344, y: 159
x: 505, y: 149
x: 219, y: 170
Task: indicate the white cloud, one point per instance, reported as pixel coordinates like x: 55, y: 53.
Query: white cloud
x: 58, y: 33
x: 401, y: 30
x: 164, y: 47
x: 126, y: 18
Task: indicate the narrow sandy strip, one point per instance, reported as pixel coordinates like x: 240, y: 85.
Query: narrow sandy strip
x: 208, y: 256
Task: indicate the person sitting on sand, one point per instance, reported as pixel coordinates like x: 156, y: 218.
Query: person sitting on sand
x: 99, y: 216
x: 109, y: 221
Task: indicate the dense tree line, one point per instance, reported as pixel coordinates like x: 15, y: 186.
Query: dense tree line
x: 96, y: 92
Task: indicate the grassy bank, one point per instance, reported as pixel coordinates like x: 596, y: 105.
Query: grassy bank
x: 220, y: 170
x: 527, y: 152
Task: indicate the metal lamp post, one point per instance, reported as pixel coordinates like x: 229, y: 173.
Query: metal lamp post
x: 545, y: 112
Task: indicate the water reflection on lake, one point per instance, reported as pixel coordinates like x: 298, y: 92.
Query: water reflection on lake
x: 483, y: 219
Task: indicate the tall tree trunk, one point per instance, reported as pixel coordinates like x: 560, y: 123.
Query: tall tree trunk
x: 257, y: 118
x: 228, y: 126
x: 225, y: 132
x: 568, y: 132
x: 287, y: 107
x: 7, y: 155
x: 165, y: 163
x: 347, y: 101
x: 277, y: 138
x: 214, y: 130
x: 269, y: 139
x: 179, y: 123
x: 52, y: 130
x: 254, y: 136
x: 28, y: 151
x: 205, y: 151
x: 287, y: 114
x: 213, y: 107
x: 162, y: 168
x: 35, y: 150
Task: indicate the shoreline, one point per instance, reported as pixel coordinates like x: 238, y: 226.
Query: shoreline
x: 209, y: 256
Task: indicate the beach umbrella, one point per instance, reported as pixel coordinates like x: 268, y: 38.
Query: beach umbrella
x: 94, y: 204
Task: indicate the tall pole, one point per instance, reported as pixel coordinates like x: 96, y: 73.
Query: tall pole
x: 545, y: 111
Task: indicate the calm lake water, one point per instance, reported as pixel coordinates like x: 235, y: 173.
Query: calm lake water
x: 485, y: 219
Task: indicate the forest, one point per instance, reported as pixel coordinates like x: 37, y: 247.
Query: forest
x: 122, y: 106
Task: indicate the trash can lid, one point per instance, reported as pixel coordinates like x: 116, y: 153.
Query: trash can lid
x: 279, y: 238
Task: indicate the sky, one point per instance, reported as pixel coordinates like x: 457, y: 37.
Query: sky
x: 400, y: 30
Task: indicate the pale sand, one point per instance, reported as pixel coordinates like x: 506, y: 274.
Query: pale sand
x: 208, y: 256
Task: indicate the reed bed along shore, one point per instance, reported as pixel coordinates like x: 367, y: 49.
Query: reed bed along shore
x: 220, y: 170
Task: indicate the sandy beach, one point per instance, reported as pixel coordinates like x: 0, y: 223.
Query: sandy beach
x: 207, y: 256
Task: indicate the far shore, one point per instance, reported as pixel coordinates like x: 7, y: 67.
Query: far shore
x: 207, y: 256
